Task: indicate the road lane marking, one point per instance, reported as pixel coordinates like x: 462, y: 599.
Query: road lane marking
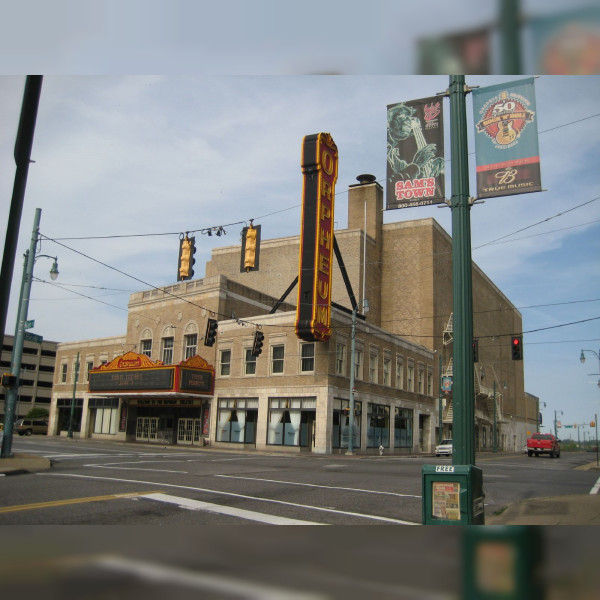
x: 596, y: 487
x: 240, y: 513
x: 223, y: 585
x: 68, y: 501
x: 314, y: 485
x: 109, y: 466
x: 233, y: 495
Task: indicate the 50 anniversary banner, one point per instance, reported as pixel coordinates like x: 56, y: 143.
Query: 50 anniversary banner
x: 506, y: 139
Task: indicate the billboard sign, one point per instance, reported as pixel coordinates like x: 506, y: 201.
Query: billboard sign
x: 320, y: 170
x: 415, y: 153
x: 506, y: 139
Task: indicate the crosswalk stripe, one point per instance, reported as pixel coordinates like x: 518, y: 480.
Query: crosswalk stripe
x: 226, y: 510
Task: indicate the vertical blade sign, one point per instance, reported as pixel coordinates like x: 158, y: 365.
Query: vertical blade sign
x: 320, y: 169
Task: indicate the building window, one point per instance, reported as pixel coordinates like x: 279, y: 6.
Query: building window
x: 373, y: 367
x: 75, y: 377
x: 250, y: 362
x: 191, y: 345
x: 63, y: 373
x: 387, y: 368
x: 225, y: 363
x: 340, y: 359
x: 341, y: 424
x: 307, y: 361
x: 291, y: 421
x: 378, y: 430
x: 277, y: 358
x: 410, y: 379
x: 421, y: 380
x: 403, y: 428
x: 236, y: 420
x: 88, y: 367
x: 104, y: 415
x: 146, y: 346
x: 358, y: 357
x: 167, y: 350
x: 399, y: 373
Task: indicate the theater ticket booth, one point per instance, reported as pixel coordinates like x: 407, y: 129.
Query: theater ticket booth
x: 165, y: 404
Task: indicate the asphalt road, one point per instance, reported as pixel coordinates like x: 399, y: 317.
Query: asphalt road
x: 152, y: 521
x: 107, y: 483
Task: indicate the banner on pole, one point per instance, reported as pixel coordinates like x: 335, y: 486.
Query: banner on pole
x: 506, y: 139
x: 415, y: 153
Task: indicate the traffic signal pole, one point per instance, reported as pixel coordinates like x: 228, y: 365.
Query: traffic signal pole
x: 462, y: 286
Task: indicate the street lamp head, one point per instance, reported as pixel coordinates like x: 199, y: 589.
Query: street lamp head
x: 582, y: 357
x: 366, y: 306
x: 54, y: 269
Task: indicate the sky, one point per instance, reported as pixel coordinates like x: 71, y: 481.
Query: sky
x: 133, y: 149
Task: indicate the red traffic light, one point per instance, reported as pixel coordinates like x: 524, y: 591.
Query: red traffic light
x: 517, y: 347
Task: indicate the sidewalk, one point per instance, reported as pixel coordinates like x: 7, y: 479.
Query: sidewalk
x: 580, y: 509
x: 23, y: 463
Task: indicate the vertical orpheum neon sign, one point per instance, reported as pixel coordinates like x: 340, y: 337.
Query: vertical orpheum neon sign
x: 320, y: 169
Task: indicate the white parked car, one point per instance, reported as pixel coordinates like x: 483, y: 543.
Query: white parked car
x: 445, y: 448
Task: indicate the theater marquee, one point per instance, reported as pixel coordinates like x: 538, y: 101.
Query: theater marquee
x: 134, y: 373
x: 320, y: 169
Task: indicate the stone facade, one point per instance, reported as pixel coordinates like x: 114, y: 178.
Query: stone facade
x: 294, y: 396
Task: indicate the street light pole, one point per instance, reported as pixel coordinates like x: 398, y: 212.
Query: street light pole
x: 17, y: 355
x: 72, y: 415
x: 555, y: 422
x: 495, y: 433
x: 597, y: 355
x: 365, y: 307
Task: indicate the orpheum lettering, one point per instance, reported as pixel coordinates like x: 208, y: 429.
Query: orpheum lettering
x: 319, y: 166
x: 415, y: 188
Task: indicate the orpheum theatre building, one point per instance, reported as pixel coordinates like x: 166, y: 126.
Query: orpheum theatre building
x: 159, y: 382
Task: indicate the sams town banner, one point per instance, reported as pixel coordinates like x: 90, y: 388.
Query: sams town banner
x: 415, y: 153
x: 506, y: 139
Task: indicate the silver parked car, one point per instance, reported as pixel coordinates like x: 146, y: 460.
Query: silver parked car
x: 445, y: 448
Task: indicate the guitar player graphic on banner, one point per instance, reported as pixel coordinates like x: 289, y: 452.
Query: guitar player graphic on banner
x: 415, y: 153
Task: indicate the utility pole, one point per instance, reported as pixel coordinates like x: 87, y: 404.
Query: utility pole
x: 11, y: 394
x: 462, y: 286
x: 22, y: 154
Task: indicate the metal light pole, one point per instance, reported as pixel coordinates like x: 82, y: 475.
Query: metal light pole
x: 12, y: 391
x: 365, y: 304
x: 597, y: 355
x: 462, y: 285
x: 71, y: 417
x: 441, y: 423
x: 555, y: 422
x: 495, y: 435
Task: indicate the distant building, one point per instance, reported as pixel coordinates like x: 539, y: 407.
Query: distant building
x: 295, y: 395
x: 37, y: 374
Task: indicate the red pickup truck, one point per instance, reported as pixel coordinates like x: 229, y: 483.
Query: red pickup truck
x: 543, y: 443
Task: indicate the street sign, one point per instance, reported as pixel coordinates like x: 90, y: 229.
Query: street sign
x: 33, y: 337
x: 29, y: 324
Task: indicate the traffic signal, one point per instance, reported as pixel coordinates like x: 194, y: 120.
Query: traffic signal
x: 211, y: 332
x: 250, y: 248
x: 259, y: 336
x: 187, y: 249
x: 8, y: 380
x: 475, y: 350
x: 517, y: 347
